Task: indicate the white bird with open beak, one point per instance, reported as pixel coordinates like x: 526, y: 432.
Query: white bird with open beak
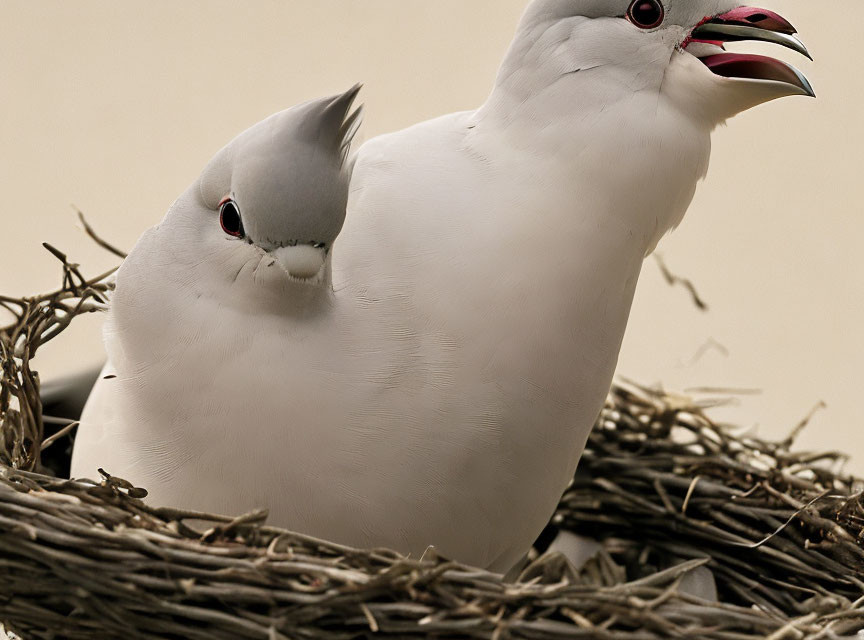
x: 482, y: 285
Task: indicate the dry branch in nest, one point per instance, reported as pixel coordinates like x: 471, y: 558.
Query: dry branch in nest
x: 781, y: 530
x: 35, y: 322
x: 661, y: 485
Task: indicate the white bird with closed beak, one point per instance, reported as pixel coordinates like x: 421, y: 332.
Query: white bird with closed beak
x: 442, y: 391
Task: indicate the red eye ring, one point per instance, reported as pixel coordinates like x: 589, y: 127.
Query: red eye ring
x: 646, y: 14
x: 229, y: 218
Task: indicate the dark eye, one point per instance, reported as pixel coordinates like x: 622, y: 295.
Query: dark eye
x: 229, y: 218
x: 646, y: 14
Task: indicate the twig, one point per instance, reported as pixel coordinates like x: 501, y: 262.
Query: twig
x: 674, y: 280
x: 98, y: 239
x: 710, y: 345
x: 690, y: 492
x: 60, y: 434
x: 801, y: 426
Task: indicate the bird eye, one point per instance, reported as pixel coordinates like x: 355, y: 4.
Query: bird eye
x: 229, y: 218
x: 646, y: 14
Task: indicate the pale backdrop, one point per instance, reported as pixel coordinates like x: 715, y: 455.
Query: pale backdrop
x: 116, y: 105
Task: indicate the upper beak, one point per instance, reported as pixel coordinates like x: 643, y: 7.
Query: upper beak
x: 748, y: 23
x: 301, y: 261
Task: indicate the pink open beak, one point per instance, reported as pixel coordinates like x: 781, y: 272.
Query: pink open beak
x: 759, y: 18
x: 749, y: 23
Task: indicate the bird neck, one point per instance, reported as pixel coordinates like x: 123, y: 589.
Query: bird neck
x: 560, y: 67
x: 600, y: 132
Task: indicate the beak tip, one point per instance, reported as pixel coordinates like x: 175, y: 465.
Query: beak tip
x: 804, y: 50
x: 807, y: 88
x: 804, y: 84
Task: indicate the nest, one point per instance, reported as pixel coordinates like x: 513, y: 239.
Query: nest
x: 662, y: 486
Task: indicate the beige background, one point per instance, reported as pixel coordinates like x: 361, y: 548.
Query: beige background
x: 116, y: 105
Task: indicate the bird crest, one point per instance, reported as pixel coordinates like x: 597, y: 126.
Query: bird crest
x: 330, y: 123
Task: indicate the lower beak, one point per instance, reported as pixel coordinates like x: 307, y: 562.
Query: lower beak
x: 747, y: 23
x: 302, y: 261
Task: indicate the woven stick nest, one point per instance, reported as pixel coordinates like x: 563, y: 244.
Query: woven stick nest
x: 661, y: 485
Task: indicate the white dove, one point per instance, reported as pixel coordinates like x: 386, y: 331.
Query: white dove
x: 444, y: 389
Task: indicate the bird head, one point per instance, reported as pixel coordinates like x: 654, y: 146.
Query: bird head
x: 673, y: 47
x: 268, y: 207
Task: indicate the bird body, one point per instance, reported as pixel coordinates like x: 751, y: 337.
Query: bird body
x: 438, y: 385
x: 506, y: 262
